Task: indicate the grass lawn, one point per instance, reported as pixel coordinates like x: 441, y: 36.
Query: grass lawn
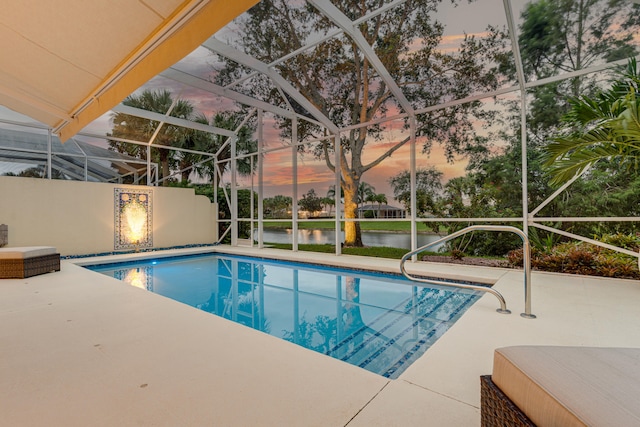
x: 330, y: 225
x: 374, y: 251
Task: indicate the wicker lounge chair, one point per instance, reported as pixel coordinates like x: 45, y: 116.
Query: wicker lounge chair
x: 562, y: 386
x: 497, y: 410
x: 18, y: 263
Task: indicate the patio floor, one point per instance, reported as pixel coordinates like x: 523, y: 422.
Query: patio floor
x: 79, y: 348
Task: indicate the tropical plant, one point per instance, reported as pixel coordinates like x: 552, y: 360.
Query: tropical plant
x: 366, y: 192
x: 224, y: 210
x: 587, y: 259
x: 160, y: 136
x: 220, y: 144
x: 561, y: 36
x: 328, y: 202
x: 603, y: 127
x: 380, y: 199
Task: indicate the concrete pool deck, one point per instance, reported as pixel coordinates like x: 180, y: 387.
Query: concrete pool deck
x: 79, y: 348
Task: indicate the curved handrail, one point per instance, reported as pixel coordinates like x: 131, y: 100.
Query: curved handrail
x: 526, y: 251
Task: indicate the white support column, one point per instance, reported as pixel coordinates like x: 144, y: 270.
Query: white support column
x: 338, y: 187
x: 414, y: 204
x: 252, y: 204
x: 260, y: 183
x: 523, y: 113
x: 234, y: 194
x: 149, y: 183
x: 215, y: 197
x: 294, y: 172
x: 525, y: 180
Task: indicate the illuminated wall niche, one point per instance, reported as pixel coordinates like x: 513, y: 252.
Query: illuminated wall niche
x: 133, y: 219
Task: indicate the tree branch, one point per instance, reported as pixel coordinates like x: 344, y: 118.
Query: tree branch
x: 388, y: 153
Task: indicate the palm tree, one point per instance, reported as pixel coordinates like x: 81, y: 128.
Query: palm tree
x: 606, y: 126
x: 365, y: 192
x: 379, y: 199
x: 213, y: 143
x: 193, y: 140
x: 331, y: 192
x: 140, y: 129
x: 330, y: 202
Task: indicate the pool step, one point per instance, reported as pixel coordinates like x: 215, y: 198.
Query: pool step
x: 392, y: 340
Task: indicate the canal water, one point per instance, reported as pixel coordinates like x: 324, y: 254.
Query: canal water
x: 369, y: 238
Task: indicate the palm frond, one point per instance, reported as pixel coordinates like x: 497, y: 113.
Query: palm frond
x: 604, y: 127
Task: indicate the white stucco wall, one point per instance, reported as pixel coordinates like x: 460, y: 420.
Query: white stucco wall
x: 78, y: 217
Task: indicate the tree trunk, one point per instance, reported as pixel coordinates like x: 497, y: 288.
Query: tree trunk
x: 165, y: 172
x: 185, y: 173
x: 352, y: 234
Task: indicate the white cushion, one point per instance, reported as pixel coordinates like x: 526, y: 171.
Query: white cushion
x: 571, y: 386
x: 26, y: 252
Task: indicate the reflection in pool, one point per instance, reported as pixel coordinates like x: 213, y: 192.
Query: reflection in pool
x: 379, y: 322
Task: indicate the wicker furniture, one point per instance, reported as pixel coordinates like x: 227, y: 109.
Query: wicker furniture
x: 18, y: 263
x: 562, y: 386
x: 497, y: 410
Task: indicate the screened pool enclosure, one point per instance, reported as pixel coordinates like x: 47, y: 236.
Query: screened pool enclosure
x: 439, y: 110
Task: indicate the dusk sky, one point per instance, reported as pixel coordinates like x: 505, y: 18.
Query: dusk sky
x: 312, y: 173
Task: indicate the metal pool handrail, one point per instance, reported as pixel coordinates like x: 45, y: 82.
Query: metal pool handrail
x: 526, y: 251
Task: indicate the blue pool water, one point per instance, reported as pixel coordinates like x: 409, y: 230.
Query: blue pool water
x: 379, y: 322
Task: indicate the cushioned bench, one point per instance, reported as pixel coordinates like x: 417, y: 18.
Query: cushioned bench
x: 562, y: 386
x: 18, y: 263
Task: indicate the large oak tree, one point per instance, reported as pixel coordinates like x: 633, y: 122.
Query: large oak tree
x: 342, y: 82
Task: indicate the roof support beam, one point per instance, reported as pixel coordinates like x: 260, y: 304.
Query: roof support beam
x: 242, y: 58
x: 342, y: 21
x: 150, y: 115
x: 326, y: 37
x: 198, y: 83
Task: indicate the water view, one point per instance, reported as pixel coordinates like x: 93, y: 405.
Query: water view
x: 369, y: 238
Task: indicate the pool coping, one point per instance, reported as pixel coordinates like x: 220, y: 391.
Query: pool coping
x: 80, y: 349
x: 352, y: 262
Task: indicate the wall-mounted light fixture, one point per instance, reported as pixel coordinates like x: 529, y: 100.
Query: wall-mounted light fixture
x: 133, y: 219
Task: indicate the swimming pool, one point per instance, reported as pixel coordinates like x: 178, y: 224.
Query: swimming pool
x: 379, y: 322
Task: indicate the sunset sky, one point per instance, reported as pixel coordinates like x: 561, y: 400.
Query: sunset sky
x: 312, y: 173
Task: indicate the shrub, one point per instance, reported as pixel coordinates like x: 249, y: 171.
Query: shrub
x: 584, y: 258
x: 457, y: 254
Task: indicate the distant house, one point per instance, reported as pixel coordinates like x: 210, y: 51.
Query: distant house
x: 381, y: 211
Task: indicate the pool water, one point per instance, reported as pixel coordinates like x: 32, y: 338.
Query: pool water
x: 379, y: 322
